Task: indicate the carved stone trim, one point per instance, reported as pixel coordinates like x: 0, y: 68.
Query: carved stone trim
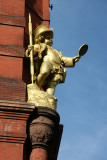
x: 43, y: 127
x: 13, y: 119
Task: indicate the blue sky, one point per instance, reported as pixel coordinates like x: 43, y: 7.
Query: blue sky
x: 82, y: 99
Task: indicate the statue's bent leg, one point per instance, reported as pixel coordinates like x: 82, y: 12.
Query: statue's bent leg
x: 54, y: 81
x: 45, y: 71
x: 51, y: 90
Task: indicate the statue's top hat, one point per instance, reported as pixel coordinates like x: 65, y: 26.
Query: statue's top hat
x: 41, y: 29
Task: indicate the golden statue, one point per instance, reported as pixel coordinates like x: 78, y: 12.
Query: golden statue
x: 48, y: 64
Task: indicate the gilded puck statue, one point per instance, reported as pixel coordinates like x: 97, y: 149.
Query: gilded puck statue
x: 47, y: 66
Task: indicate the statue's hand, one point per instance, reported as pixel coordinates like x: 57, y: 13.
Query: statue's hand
x: 30, y: 47
x: 77, y: 58
x: 27, y: 53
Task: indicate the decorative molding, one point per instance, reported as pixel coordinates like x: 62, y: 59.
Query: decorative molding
x: 43, y: 127
x: 13, y: 119
x: 16, y: 106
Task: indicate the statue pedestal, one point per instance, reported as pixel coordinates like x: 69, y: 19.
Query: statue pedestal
x: 21, y: 121
x: 43, y: 126
x: 40, y: 98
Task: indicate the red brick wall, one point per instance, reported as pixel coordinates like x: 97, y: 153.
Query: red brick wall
x: 12, y: 23
x: 10, y: 151
x: 11, y: 36
x: 12, y: 7
x: 11, y: 67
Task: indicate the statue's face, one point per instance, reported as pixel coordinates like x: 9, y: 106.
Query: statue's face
x: 48, y: 39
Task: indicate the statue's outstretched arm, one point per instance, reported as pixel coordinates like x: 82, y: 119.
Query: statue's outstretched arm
x: 68, y: 61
